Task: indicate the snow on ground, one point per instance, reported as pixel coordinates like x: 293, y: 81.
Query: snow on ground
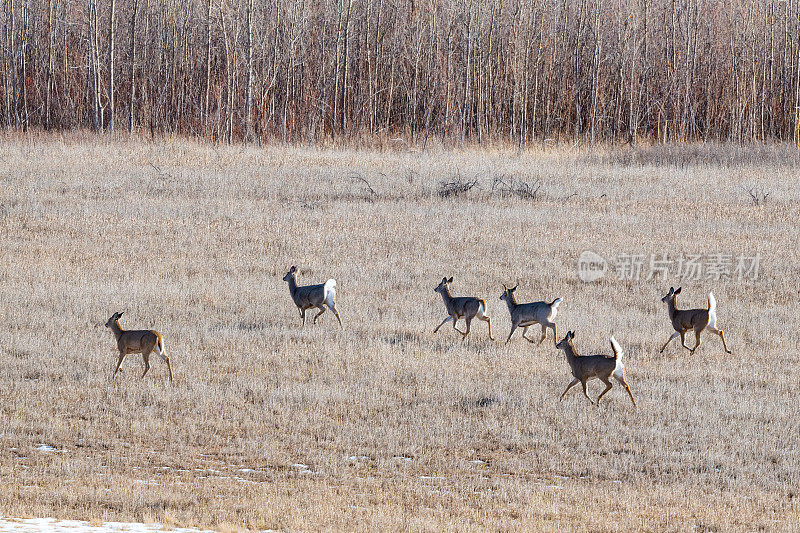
x: 51, y: 525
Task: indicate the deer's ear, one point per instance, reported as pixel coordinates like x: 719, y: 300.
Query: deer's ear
x: 119, y: 315
x: 678, y: 291
x: 515, y: 287
x: 450, y: 280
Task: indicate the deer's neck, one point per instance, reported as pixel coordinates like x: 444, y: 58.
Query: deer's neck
x: 511, y: 302
x: 571, y: 354
x: 117, y: 330
x: 446, y: 296
x: 292, y: 285
x: 672, y: 308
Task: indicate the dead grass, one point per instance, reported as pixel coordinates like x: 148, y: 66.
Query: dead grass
x: 383, y: 425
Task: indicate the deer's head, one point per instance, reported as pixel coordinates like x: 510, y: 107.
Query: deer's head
x: 113, y: 319
x: 508, y: 292
x: 443, y: 285
x: 670, y: 296
x: 291, y: 274
x: 566, y: 341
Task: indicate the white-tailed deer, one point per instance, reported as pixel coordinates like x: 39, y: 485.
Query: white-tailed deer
x: 465, y: 307
x: 311, y: 296
x: 526, y: 315
x: 697, y: 319
x: 141, y: 341
x: 588, y: 367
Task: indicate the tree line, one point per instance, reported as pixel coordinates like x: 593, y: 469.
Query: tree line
x: 516, y: 71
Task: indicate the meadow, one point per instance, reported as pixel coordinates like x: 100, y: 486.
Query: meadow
x: 381, y: 424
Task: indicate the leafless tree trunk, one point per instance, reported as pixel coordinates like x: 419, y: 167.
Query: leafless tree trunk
x: 132, y: 70
x: 111, y: 67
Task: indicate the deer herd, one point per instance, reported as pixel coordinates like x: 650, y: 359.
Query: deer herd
x: 584, y: 367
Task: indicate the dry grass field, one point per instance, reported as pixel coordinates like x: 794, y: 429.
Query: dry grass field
x: 381, y: 425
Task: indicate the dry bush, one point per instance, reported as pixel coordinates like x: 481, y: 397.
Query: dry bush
x: 757, y: 194
x: 505, y: 186
x: 457, y: 186
x: 381, y: 424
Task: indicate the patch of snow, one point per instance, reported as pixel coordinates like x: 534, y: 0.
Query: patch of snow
x: 302, y: 468
x: 47, y: 448
x: 51, y: 525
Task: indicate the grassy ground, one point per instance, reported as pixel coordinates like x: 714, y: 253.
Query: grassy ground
x: 382, y: 424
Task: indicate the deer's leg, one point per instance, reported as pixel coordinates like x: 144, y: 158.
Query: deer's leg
x: 455, y: 321
x: 608, y: 388
x: 119, y: 363
x: 513, y: 328
x: 555, y: 337
x: 574, y: 382
x: 488, y: 320
x: 146, y: 356
x: 721, y: 336
x: 624, y: 383
x: 673, y: 336
x: 524, y: 336
x: 544, y: 333
x: 468, y: 320
x: 321, y: 310
x: 303, y: 317
x: 585, y: 393
x: 169, y: 367
x: 683, y: 341
x: 443, y: 323
x: 698, y: 341
x: 165, y: 358
x: 336, y: 313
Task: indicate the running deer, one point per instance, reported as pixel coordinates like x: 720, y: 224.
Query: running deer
x: 526, y: 315
x: 311, y: 296
x: 464, y: 307
x: 141, y: 341
x: 588, y: 367
x: 697, y: 319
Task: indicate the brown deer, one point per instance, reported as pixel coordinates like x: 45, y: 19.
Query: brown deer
x: 464, y: 307
x: 526, y: 315
x: 311, y: 296
x: 684, y: 320
x: 141, y: 341
x: 588, y: 367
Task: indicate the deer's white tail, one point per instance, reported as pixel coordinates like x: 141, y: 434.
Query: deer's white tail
x: 330, y: 292
x: 556, y: 303
x: 620, y: 368
x: 160, y: 347
x: 712, y: 303
x: 712, y: 310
